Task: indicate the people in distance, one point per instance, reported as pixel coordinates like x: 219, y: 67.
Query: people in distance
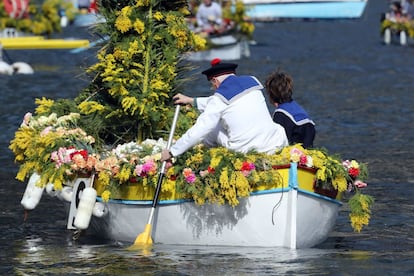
x: 209, y: 17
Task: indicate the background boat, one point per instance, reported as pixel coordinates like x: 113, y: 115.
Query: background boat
x: 225, y: 47
x: 267, y: 10
x: 230, y: 40
x: 397, y: 27
x: 40, y: 42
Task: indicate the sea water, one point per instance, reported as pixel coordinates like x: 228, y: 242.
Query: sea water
x: 357, y: 90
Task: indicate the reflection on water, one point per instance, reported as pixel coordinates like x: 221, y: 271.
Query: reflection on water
x: 358, y: 92
x: 186, y: 260
x: 109, y: 259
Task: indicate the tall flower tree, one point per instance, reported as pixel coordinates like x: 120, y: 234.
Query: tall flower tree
x: 138, y: 70
x: 129, y: 96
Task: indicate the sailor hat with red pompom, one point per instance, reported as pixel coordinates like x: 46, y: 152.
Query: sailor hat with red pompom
x: 219, y: 68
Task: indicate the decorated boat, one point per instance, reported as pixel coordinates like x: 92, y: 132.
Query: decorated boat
x: 268, y: 10
x: 225, y: 47
x: 100, y: 154
x: 88, y: 14
x: 230, y: 200
x: 397, y: 29
x: 24, y: 17
x: 39, y: 42
x: 227, y: 41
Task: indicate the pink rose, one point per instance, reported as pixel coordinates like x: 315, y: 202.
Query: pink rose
x: 360, y: 184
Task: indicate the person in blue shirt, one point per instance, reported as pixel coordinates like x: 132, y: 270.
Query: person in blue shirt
x: 298, y: 125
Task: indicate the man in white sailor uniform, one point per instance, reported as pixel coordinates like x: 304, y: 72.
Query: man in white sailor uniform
x: 235, y: 116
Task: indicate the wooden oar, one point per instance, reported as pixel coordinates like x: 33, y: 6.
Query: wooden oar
x: 144, y: 239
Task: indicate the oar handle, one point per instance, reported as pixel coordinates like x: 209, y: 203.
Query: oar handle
x: 174, y: 124
x: 171, y: 136
x: 164, y: 163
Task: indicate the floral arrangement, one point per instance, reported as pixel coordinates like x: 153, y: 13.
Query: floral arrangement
x: 397, y: 26
x: 59, y: 151
x: 53, y: 146
x: 234, y: 19
x: 236, y: 12
x: 138, y: 70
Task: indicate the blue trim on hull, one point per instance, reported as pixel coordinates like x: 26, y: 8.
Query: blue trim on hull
x: 179, y: 201
x: 145, y: 202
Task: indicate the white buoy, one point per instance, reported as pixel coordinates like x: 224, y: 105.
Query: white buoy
x: 85, y: 208
x: 99, y: 210
x: 64, y: 21
x: 33, y: 193
x: 6, y: 68
x: 22, y: 68
x: 387, y: 36
x: 50, y: 190
x: 403, y: 38
x: 66, y: 194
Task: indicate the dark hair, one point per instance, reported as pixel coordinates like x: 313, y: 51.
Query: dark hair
x: 279, y: 87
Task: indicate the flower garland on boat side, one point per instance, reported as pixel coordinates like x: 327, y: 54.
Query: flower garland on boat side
x: 59, y: 151
x: 407, y: 26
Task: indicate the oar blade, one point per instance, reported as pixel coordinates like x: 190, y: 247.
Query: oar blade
x: 144, y: 239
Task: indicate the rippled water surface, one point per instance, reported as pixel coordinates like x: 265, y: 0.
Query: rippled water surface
x: 358, y: 91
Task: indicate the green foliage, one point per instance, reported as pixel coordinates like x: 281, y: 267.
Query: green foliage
x: 139, y: 69
x: 407, y: 26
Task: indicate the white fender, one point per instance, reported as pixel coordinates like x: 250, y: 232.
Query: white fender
x: 66, y: 194
x: 33, y: 193
x: 99, y: 210
x: 64, y: 21
x: 85, y: 208
x: 50, y: 190
x: 403, y: 38
x: 387, y: 36
x: 22, y: 68
x: 6, y: 68
x: 79, y: 184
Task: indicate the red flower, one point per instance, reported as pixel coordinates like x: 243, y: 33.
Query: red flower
x: 211, y: 170
x: 303, y: 159
x: 353, y: 172
x: 246, y: 166
x: 83, y: 153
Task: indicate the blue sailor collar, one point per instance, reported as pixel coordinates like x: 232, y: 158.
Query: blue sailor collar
x: 234, y: 87
x: 295, y: 112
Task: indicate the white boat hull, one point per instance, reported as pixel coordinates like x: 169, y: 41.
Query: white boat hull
x: 252, y: 223
x: 292, y: 216
x: 225, y: 47
x: 267, y: 10
x: 88, y: 19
